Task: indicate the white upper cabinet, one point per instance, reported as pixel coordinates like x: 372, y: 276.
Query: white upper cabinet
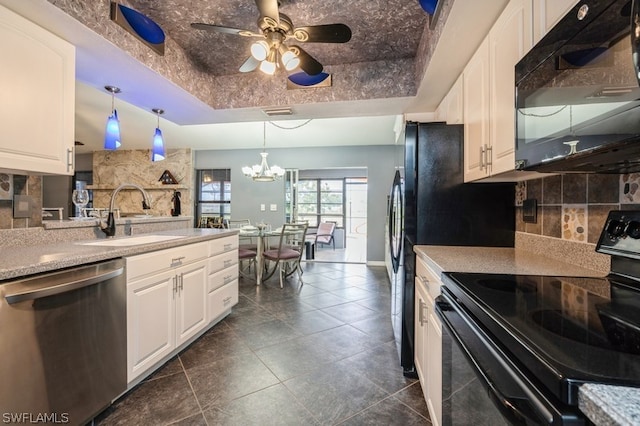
x: 37, y: 82
x: 489, y: 93
x: 546, y: 13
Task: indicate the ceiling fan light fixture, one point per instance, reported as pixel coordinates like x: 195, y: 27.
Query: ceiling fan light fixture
x: 268, y: 67
x: 289, y: 59
x: 260, y: 50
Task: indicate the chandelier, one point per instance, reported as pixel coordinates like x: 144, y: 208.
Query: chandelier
x: 262, y: 172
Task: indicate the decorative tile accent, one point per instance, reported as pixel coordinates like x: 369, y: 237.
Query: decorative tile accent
x: 521, y: 192
x: 574, y: 222
x: 629, y: 185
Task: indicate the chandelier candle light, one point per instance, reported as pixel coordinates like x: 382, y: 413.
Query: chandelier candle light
x: 262, y: 172
x: 157, y: 150
x: 112, y: 131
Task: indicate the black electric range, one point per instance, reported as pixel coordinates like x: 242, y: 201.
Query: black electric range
x: 566, y: 331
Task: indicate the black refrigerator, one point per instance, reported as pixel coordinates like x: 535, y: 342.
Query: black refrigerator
x: 440, y: 209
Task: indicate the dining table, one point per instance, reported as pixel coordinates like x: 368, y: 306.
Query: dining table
x: 261, y: 233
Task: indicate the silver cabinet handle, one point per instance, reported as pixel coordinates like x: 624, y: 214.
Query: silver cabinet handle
x: 175, y: 286
x: 70, y: 159
x: 181, y: 281
x: 227, y: 279
x: 228, y: 263
x: 177, y: 261
x: 228, y: 247
x: 226, y: 301
x: 489, y: 160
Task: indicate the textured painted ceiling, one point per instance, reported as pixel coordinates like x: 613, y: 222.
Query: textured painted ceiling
x: 381, y: 29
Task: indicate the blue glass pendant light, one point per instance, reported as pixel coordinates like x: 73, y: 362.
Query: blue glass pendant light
x: 157, y: 150
x: 112, y: 130
x: 429, y: 6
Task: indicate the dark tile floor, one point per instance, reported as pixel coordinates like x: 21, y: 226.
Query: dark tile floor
x: 321, y: 353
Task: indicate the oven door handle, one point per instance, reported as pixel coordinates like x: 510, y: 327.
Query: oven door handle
x: 519, y: 411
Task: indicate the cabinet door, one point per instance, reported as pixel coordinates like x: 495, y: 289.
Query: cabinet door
x: 191, y: 303
x: 150, y: 321
x: 476, y: 113
x: 547, y: 13
x: 434, y: 365
x: 37, y: 82
x: 421, y: 352
x: 455, y: 114
x: 509, y: 39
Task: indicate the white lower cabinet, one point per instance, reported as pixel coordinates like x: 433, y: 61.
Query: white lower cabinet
x: 173, y: 296
x: 163, y: 311
x: 428, y: 339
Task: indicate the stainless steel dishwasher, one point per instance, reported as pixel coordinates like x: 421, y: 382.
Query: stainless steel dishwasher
x: 63, y: 344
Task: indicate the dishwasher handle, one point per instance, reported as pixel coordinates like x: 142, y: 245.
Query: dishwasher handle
x: 61, y: 282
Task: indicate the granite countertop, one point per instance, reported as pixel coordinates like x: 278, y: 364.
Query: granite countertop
x: 20, y: 261
x: 602, y: 404
x: 496, y: 260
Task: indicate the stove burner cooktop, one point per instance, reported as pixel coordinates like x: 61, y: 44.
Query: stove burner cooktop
x: 562, y: 328
x: 565, y: 331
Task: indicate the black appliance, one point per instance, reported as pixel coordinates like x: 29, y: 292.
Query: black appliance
x: 577, y: 93
x: 530, y: 341
x: 440, y: 209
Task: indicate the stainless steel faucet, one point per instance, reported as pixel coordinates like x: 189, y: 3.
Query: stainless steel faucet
x: 110, y: 228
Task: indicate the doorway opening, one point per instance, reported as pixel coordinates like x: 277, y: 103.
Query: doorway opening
x: 338, y: 196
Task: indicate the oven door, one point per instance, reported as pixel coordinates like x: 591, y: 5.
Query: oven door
x: 481, y: 384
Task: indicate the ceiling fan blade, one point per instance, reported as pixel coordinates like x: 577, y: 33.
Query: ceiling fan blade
x: 226, y: 30
x: 330, y: 33
x: 308, y: 63
x: 250, y: 64
x: 269, y: 9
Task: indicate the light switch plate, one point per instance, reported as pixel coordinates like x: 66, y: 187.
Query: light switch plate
x: 273, y: 207
x: 263, y: 208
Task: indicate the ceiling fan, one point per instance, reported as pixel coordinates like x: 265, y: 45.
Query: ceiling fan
x: 277, y: 28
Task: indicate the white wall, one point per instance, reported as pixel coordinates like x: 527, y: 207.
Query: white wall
x: 380, y: 162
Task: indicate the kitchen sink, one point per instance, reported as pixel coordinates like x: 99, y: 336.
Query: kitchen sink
x: 132, y: 241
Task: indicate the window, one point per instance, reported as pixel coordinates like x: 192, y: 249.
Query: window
x: 321, y: 200
x: 214, y: 193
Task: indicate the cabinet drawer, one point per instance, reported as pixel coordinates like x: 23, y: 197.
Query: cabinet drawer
x: 223, y: 261
x: 222, y: 299
x: 428, y: 277
x: 222, y: 278
x: 162, y: 260
x: 221, y: 245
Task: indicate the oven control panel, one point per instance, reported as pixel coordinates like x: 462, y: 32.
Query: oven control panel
x: 620, y: 235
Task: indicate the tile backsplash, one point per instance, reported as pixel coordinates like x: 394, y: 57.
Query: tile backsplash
x: 574, y: 207
x: 23, y: 185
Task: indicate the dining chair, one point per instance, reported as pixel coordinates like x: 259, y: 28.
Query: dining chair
x: 245, y: 242
x: 247, y: 259
x: 323, y: 234
x: 286, y: 257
